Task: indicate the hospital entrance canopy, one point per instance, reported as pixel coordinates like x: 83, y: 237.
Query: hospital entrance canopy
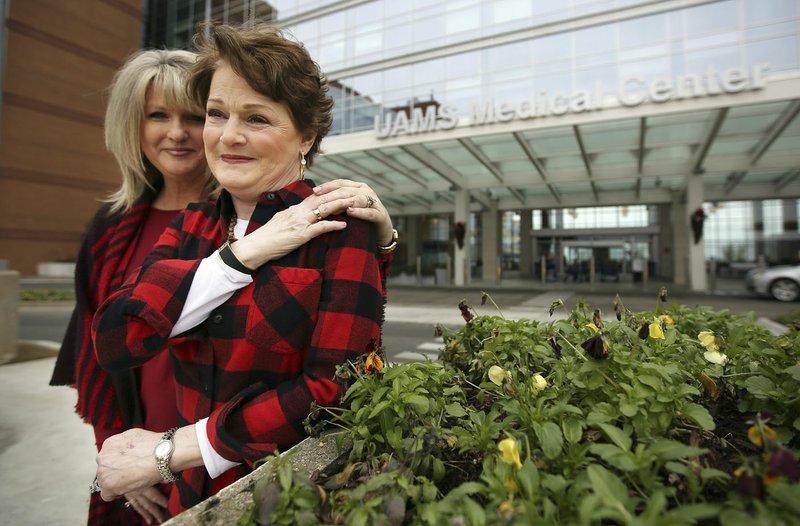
x: 736, y: 129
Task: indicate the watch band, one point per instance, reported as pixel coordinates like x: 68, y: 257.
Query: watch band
x: 230, y: 259
x: 162, y: 463
x: 391, y: 246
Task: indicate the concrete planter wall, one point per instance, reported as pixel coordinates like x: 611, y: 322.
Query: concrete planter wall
x: 54, y: 269
x: 9, y: 302
x: 225, y: 508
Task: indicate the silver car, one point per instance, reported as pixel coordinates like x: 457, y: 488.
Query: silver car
x: 782, y: 283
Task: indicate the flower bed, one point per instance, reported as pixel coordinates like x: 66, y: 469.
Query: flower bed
x: 674, y: 416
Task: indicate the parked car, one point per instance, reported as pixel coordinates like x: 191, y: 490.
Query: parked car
x: 782, y: 282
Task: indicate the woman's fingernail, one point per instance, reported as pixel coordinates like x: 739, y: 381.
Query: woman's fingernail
x: 317, y: 189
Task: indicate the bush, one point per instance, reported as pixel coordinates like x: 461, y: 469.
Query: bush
x: 47, y: 295
x: 674, y: 416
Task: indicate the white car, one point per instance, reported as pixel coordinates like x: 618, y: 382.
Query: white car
x: 782, y: 283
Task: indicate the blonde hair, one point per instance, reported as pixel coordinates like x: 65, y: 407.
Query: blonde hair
x: 163, y: 70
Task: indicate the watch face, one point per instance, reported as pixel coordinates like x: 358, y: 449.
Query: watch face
x: 163, y: 449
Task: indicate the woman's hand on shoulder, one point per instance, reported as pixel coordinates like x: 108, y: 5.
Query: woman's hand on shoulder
x: 359, y: 200
x: 288, y: 230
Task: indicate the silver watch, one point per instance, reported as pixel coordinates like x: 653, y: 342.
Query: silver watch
x: 163, y: 453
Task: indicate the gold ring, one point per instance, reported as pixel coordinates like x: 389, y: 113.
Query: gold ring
x: 370, y: 201
x: 318, y: 214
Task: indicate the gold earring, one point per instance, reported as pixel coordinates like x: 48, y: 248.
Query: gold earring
x: 302, y: 166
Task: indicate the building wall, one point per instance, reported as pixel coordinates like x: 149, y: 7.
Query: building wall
x: 60, y: 58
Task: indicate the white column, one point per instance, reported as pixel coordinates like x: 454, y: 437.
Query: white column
x: 491, y: 242
x: 697, y: 254
x: 525, y: 244
x: 461, y: 263
x: 666, y: 242
x: 681, y: 238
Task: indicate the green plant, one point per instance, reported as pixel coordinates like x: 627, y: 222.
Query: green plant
x: 638, y: 420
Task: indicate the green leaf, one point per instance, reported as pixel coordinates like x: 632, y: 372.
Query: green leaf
x: 602, y: 412
x: 628, y: 408
x: 419, y: 401
x: 572, y: 429
x: 672, y: 450
x: 615, y: 456
x: 793, y: 371
x: 685, y: 391
x: 656, y: 505
x: 528, y: 477
x: 759, y: 385
x: 550, y: 438
x: 455, y: 409
x: 378, y: 408
x: 670, y: 337
x: 708, y: 474
x: 651, y: 381
x: 691, y: 513
x: 787, y: 496
x: 699, y: 415
x: 467, y: 488
x: 610, y: 489
x: 438, y: 469
x: 555, y: 484
x: 618, y: 436
x: 395, y: 438
x: 474, y: 512
x: 561, y: 407
x: 680, y: 469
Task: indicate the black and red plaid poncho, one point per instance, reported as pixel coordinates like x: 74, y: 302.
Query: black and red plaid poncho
x: 257, y: 363
x: 105, y: 400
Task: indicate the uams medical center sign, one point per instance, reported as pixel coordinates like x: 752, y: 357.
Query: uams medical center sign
x: 631, y: 92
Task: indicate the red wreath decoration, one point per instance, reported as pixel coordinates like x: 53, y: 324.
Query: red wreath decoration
x: 460, y: 231
x: 697, y: 219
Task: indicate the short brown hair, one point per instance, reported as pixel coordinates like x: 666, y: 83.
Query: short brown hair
x: 272, y: 65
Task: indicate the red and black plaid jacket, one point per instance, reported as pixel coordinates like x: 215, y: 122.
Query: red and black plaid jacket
x: 257, y: 363
x: 105, y: 400
x: 105, y: 252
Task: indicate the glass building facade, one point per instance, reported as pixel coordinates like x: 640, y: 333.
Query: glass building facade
x: 459, y: 64
x: 533, y: 55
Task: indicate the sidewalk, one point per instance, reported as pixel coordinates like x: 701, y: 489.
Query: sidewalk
x: 46, y: 452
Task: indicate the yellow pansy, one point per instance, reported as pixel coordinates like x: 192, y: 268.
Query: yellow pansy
x: 709, y: 341
x: 666, y: 318
x: 510, y: 450
x: 592, y: 326
x: 505, y: 508
x: 755, y: 435
x: 538, y: 383
x: 716, y: 357
x: 656, y: 332
x: 497, y: 374
x: 373, y: 363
